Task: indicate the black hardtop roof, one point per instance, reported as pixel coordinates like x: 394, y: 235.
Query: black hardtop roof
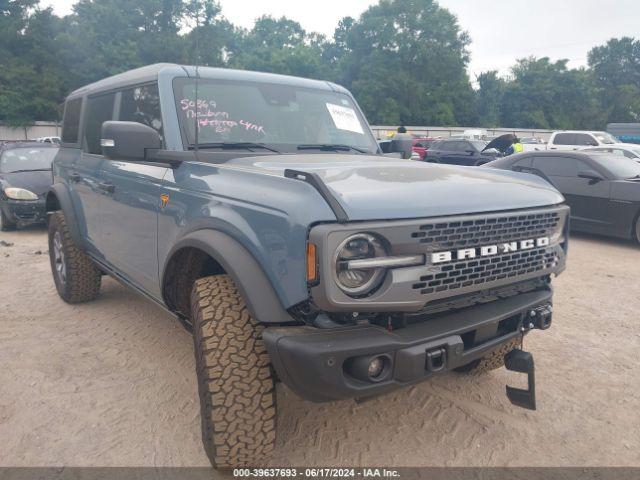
x: 150, y: 73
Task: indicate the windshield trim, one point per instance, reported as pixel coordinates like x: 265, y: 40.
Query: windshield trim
x: 289, y: 147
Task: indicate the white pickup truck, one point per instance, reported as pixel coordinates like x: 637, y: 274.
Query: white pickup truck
x: 577, y: 140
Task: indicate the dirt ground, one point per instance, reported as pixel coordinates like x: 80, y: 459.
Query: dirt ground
x: 112, y: 383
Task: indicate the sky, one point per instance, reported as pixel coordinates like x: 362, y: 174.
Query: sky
x: 501, y: 30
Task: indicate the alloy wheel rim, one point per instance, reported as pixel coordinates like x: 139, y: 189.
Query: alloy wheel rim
x: 58, y: 258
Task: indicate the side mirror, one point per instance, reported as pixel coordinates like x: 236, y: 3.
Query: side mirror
x: 402, y: 144
x: 591, y: 175
x: 128, y: 140
x: 470, y: 152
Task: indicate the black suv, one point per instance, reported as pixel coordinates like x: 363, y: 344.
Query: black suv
x: 456, y: 151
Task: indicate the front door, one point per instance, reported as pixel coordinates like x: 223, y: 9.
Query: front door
x: 130, y: 220
x: 588, y: 199
x: 131, y: 199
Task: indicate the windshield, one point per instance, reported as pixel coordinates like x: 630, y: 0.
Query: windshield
x: 19, y: 159
x: 620, y: 167
x: 604, y: 137
x: 280, y: 116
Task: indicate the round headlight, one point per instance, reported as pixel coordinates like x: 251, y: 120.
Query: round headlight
x: 358, y: 281
x: 19, y: 194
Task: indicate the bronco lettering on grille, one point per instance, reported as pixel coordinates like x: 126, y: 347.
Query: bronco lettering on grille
x: 488, y: 250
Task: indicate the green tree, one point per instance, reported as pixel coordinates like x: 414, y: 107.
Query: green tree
x: 405, y: 61
x: 281, y: 46
x: 490, y: 94
x: 32, y: 81
x: 545, y: 94
x: 616, y: 71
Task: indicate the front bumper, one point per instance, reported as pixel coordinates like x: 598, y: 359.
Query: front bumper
x: 24, y: 211
x: 315, y: 363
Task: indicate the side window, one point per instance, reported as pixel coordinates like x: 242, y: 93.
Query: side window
x: 559, y: 166
x: 584, y: 139
x: 142, y: 105
x: 455, y: 146
x: 564, y: 139
x: 626, y: 153
x: 99, y: 110
x: 71, y: 121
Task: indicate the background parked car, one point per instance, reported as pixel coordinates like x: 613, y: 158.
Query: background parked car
x: 577, y: 140
x: 25, y: 178
x: 603, y: 190
x: 530, y: 144
x: 460, y: 152
x: 627, y: 151
x: 421, y: 145
x: 55, y: 140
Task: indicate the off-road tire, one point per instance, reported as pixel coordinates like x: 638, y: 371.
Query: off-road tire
x: 6, y: 225
x: 81, y: 281
x: 492, y: 361
x: 235, y: 382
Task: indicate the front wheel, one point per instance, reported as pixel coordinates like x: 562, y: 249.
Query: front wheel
x: 77, y: 279
x: 235, y: 383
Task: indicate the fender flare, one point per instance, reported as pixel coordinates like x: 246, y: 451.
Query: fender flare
x: 60, y: 192
x: 256, y: 289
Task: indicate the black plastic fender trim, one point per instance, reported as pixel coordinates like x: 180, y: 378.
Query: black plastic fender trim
x: 316, y: 182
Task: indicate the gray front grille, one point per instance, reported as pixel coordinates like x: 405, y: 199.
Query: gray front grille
x: 416, y: 287
x: 481, y: 231
x: 454, y: 276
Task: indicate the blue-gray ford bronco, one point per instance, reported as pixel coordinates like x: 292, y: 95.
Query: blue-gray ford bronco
x: 259, y: 210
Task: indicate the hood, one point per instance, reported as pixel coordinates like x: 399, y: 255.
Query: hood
x: 376, y: 188
x: 35, y: 181
x: 501, y: 143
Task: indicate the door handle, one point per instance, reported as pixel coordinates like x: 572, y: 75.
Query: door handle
x: 107, y: 187
x: 75, y: 177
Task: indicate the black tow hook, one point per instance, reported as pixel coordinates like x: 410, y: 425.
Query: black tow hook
x: 521, y: 361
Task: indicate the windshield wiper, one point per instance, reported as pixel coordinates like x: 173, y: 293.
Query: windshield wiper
x: 331, y: 147
x: 234, y: 146
x: 32, y: 170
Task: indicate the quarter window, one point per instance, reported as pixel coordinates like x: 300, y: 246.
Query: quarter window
x: 564, y: 139
x: 142, y: 104
x: 99, y: 110
x: 71, y: 121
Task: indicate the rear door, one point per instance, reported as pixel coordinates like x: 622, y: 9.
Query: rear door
x: 456, y: 153
x: 132, y: 202
x: 86, y: 171
x: 588, y: 199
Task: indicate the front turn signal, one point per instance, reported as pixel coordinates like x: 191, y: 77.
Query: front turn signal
x: 312, y: 263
